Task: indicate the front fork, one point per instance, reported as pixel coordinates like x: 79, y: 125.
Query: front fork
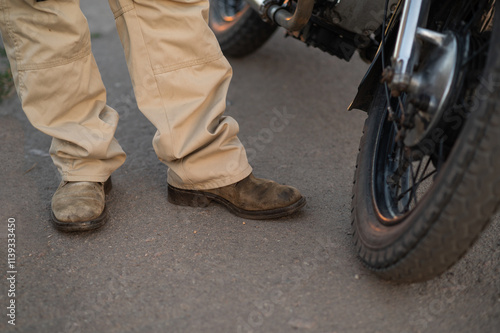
x: 415, y: 13
x: 428, y: 90
x: 403, y: 58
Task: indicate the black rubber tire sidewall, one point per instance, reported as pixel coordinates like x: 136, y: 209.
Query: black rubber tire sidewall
x: 441, y: 228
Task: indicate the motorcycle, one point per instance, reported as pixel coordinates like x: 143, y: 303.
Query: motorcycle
x: 426, y: 181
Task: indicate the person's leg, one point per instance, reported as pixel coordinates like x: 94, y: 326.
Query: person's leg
x: 180, y: 79
x: 62, y: 94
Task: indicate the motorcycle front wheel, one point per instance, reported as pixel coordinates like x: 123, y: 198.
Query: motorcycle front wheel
x: 238, y: 28
x: 417, y: 209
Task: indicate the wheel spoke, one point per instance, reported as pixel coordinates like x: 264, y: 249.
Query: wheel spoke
x: 419, y: 182
x: 413, y: 193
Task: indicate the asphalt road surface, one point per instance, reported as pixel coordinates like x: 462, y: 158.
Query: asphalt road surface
x: 156, y: 267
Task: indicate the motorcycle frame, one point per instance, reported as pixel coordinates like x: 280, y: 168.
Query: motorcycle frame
x: 363, y: 18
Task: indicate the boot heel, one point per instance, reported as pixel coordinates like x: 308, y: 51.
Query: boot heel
x: 182, y: 197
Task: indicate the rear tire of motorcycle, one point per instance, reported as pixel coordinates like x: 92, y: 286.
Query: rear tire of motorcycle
x: 454, y: 212
x: 242, y: 36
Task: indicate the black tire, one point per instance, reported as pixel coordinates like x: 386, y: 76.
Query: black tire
x: 437, y: 231
x: 238, y: 28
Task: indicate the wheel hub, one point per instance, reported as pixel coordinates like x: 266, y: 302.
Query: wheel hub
x: 429, y: 91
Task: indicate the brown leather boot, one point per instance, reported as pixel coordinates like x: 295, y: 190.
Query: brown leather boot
x: 80, y: 206
x: 250, y: 198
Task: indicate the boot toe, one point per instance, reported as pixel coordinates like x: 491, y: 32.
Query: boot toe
x: 77, y: 209
x: 288, y: 196
x: 78, y: 206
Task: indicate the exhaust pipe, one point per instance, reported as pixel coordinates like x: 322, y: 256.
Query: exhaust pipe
x: 281, y: 16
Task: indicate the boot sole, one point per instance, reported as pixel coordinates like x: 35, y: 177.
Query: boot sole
x: 193, y: 198
x: 80, y: 226
x: 84, y: 225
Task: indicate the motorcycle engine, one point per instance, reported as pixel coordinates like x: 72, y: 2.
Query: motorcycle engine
x: 341, y: 28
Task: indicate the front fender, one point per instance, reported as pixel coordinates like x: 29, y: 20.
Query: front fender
x: 369, y: 83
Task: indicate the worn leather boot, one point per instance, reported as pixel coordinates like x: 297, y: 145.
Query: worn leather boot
x: 250, y: 198
x: 80, y: 206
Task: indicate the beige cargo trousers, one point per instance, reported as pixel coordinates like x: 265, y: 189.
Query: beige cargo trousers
x: 178, y: 72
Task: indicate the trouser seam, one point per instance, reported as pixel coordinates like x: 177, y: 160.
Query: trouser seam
x: 191, y: 63
x: 33, y: 67
x: 123, y: 10
x: 217, y: 183
x: 68, y: 177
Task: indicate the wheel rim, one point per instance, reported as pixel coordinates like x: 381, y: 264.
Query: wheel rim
x: 399, y: 181
x: 402, y: 176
